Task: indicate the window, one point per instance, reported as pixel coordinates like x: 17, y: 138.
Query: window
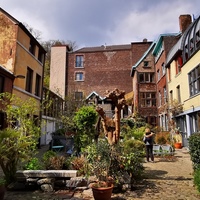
x: 32, y: 47
x: 78, y: 96
x: 169, y: 74
x: 29, y: 79
x: 37, y: 85
x: 165, y: 94
x: 79, y: 76
x: 41, y: 56
x: 179, y: 63
x: 146, y: 63
x: 146, y: 77
x: 163, y: 69
x: 158, y: 74
x: 79, y: 61
x: 171, y: 96
x: 178, y: 93
x: 148, y: 99
x: 1, y: 84
x: 194, y: 81
x: 159, y: 99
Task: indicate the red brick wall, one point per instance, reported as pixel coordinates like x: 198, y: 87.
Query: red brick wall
x: 104, y: 70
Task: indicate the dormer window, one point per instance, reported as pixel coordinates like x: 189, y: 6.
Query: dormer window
x: 146, y: 63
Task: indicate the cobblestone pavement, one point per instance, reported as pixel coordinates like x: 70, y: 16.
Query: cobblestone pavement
x: 164, y: 180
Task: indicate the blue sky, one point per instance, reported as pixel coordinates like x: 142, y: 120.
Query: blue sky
x: 97, y: 22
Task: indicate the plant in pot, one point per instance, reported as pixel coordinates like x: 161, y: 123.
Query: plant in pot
x: 177, y: 137
x: 2, y: 188
x: 99, y: 161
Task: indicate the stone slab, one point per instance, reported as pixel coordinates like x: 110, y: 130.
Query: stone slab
x: 46, y: 173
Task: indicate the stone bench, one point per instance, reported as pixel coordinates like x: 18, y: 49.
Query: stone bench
x: 45, y: 179
x: 46, y: 173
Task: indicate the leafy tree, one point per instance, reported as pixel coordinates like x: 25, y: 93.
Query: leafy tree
x: 18, y: 141
x: 85, y: 119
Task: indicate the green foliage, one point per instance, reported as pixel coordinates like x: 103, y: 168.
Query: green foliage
x: 197, y: 178
x: 53, y: 161
x: 133, y: 164
x: 133, y: 145
x: 18, y: 141
x: 33, y: 164
x: 85, y: 119
x: 99, y: 158
x: 194, y: 149
x: 46, y: 157
x: 15, y: 148
x: 2, y: 181
x: 59, y: 132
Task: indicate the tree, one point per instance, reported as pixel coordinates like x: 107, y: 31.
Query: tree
x: 18, y: 141
x: 85, y: 119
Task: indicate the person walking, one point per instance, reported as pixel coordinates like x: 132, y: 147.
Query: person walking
x: 148, y: 140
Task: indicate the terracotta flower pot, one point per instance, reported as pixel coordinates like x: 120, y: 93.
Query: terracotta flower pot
x: 102, y: 193
x: 178, y: 145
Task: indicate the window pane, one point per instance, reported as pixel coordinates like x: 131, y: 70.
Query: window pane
x: 1, y: 84
x: 79, y: 76
x: 141, y: 78
x: 147, y: 77
x: 79, y: 61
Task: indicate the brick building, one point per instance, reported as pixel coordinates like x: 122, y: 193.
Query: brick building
x: 93, y: 70
x: 144, y: 87
x: 163, y: 45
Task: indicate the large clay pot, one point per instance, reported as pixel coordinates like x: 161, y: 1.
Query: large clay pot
x: 2, y: 192
x: 177, y: 145
x: 102, y: 193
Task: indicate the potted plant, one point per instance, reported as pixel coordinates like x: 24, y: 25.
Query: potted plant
x: 2, y: 188
x: 99, y: 161
x: 177, y: 137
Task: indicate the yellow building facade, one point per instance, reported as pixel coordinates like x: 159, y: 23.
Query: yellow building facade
x: 183, y: 77
x: 23, y: 56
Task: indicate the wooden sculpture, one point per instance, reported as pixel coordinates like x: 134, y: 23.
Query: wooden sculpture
x: 111, y: 126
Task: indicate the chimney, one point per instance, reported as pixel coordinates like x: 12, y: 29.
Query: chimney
x: 184, y: 22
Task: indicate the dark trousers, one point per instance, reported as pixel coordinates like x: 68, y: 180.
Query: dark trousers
x: 149, y: 152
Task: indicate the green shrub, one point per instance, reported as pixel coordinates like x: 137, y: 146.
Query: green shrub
x: 46, y: 158
x: 197, y: 178
x: 33, y: 164
x: 133, y: 146
x: 194, y: 149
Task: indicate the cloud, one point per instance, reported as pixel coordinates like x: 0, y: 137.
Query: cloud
x: 94, y: 22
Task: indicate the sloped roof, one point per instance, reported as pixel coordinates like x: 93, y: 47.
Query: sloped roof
x: 21, y: 26
x: 184, y: 40
x: 94, y: 94
x: 142, y: 58
x: 160, y: 39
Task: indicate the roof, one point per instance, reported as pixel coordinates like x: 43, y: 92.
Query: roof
x: 22, y: 27
x: 104, y: 48
x: 6, y: 71
x: 160, y: 39
x: 189, y: 34
x: 142, y: 58
x: 94, y: 94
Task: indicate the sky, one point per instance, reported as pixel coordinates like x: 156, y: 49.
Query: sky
x: 91, y: 23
